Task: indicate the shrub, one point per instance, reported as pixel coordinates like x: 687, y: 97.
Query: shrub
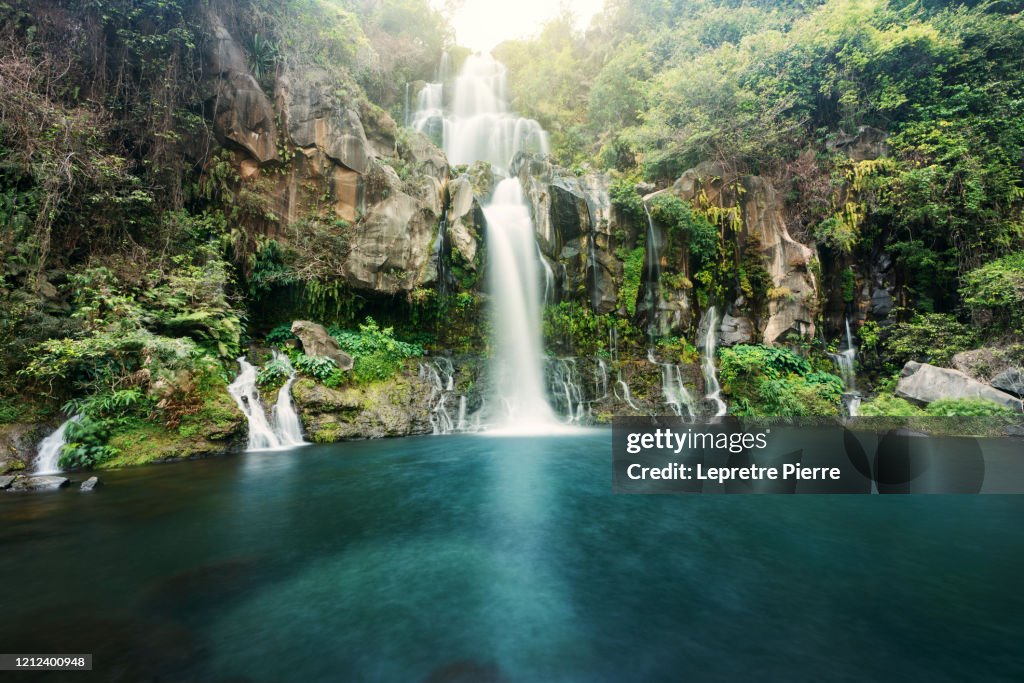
x: 764, y: 380
x: 317, y: 367
x: 889, y: 406
x: 376, y: 352
x: 994, y: 293
x: 967, y: 407
x: 928, y: 337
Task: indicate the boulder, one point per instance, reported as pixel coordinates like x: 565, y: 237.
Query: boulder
x: 735, y: 331
x: 882, y: 303
x: 90, y: 484
x: 320, y: 116
x: 317, y: 342
x: 5, y: 482
x: 986, y: 363
x: 922, y: 383
x: 1011, y: 381
x: 41, y: 483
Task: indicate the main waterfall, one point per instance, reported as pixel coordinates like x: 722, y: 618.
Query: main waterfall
x: 477, y: 125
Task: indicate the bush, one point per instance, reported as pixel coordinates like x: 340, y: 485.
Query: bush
x: 87, y: 444
x: 376, y: 352
x: 994, y: 293
x: 889, y: 406
x: 967, y: 407
x: 929, y: 338
x: 317, y: 367
x: 764, y: 380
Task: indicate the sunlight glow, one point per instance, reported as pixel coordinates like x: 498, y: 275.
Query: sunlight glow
x: 482, y: 24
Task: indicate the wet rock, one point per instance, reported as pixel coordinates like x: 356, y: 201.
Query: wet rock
x: 882, y: 303
x: 735, y: 331
x: 90, y: 484
x: 5, y: 483
x: 1011, y: 381
x: 40, y: 483
x: 317, y: 342
x: 399, y: 406
x: 922, y: 383
x: 1015, y: 430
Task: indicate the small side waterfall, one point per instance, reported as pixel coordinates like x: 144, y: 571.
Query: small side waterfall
x: 652, y: 274
x: 676, y: 395
x: 566, y: 389
x: 714, y: 390
x: 284, y: 419
x: 286, y: 432
x: 441, y: 376
x: 623, y: 394
x: 48, y: 460
x: 846, y: 361
x: 600, y: 380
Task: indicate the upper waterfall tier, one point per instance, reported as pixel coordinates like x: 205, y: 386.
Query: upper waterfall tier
x: 477, y: 124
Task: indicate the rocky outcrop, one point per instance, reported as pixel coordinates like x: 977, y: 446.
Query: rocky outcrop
x: 399, y: 406
x: 792, y: 304
x: 986, y: 363
x: 243, y: 114
x: 316, y: 341
x: 922, y: 383
x: 735, y: 331
x: 867, y: 143
x: 18, y: 446
x: 575, y: 227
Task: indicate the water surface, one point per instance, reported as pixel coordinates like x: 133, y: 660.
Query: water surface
x: 480, y: 558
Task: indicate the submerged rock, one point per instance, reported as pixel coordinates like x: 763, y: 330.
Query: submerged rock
x: 922, y: 383
x: 317, y: 342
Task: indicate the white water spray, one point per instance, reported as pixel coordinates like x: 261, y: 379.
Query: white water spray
x: 846, y: 361
x: 714, y: 390
x: 48, y: 460
x: 287, y: 431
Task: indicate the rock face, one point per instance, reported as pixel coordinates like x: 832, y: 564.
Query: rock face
x: 792, y: 304
x: 1011, y: 381
x: 243, y: 113
x: 922, y: 384
x: 18, y: 446
x: 317, y: 342
x: 575, y: 225
x: 735, y: 331
x: 397, y: 407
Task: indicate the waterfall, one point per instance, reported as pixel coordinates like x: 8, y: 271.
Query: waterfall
x: 653, y: 274
x: 48, y: 460
x: 714, y: 391
x: 566, y: 390
x: 284, y: 419
x: 515, y: 306
x: 845, y: 360
x: 676, y: 395
x: 441, y: 376
x: 600, y: 380
x: 287, y: 430
x: 625, y: 395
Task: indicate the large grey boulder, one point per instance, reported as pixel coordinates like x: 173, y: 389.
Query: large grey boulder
x: 41, y: 483
x: 5, y: 482
x: 735, y: 331
x: 922, y: 383
x: 1011, y: 381
x: 317, y: 342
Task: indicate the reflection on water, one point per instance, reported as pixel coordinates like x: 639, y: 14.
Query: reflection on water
x: 475, y: 558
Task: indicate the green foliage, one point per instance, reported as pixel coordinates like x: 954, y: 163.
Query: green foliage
x: 281, y: 335
x: 765, y: 380
x: 625, y: 198
x: 317, y: 367
x: 967, y: 407
x: 632, y: 274
x: 376, y: 352
x: 928, y: 337
x: 694, y: 229
x: 274, y: 373
x: 994, y: 293
x: 582, y: 332
x: 86, y: 445
x: 888, y: 406
x: 848, y: 285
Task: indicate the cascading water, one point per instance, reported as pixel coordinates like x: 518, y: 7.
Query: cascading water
x: 515, y: 308
x: 286, y: 432
x: 441, y: 375
x: 653, y: 274
x: 284, y: 419
x: 713, y: 389
x: 846, y: 360
x: 677, y: 397
x: 48, y: 460
x: 566, y: 390
x: 600, y: 380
